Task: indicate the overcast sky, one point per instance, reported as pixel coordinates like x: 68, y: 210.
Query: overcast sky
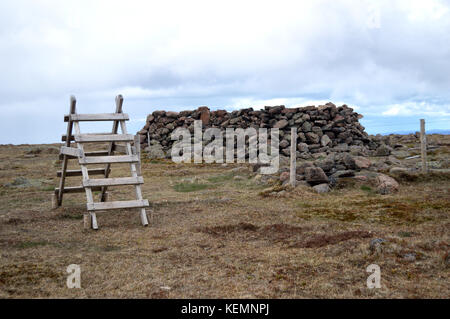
x: 389, y: 59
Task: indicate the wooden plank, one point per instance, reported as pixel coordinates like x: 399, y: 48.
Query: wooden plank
x: 91, y: 138
x: 72, y: 138
x: 98, y: 117
x: 77, y: 172
x: 134, y: 172
x: 85, y: 172
x: 118, y: 205
x: 93, y: 221
x: 137, y: 148
x: 73, y: 103
x: 113, y: 181
x: 64, y: 138
x: 108, y: 159
x: 70, y: 151
x: 94, y: 153
x: 75, y: 189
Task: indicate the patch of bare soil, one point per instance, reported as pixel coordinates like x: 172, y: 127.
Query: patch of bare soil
x: 281, y: 233
x: 274, y: 232
x: 324, y: 240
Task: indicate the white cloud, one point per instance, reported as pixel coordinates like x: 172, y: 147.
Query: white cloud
x: 417, y: 108
x: 182, y: 54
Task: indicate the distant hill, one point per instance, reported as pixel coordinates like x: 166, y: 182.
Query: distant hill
x: 432, y: 131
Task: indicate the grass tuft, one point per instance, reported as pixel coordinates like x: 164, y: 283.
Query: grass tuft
x: 31, y: 244
x: 189, y: 187
x: 220, y: 178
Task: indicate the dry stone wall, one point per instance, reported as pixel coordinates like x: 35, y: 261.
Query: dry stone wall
x: 321, y: 130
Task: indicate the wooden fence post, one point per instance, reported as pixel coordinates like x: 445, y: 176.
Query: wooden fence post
x: 293, y: 173
x: 423, y: 145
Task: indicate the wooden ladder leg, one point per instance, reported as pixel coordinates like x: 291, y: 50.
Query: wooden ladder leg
x: 73, y: 102
x: 144, y: 219
x: 85, y: 173
x: 134, y: 173
x: 137, y: 146
x: 93, y: 221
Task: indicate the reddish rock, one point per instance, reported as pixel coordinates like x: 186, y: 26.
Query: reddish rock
x: 362, y: 162
x: 204, y: 115
x: 289, y: 110
x: 281, y: 124
x: 315, y: 175
x: 220, y: 113
x: 171, y: 114
x: 339, y: 118
x: 386, y: 185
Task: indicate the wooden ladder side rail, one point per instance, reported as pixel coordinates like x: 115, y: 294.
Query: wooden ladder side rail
x: 111, y: 147
x: 137, y: 150
x: 134, y: 173
x: 65, y: 159
x: 85, y: 173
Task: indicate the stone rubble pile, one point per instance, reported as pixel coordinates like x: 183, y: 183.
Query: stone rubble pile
x: 321, y: 130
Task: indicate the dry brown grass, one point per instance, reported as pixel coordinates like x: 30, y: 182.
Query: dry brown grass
x: 222, y: 240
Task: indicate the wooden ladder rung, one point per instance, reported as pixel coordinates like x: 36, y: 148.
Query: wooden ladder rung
x: 70, y: 151
x: 89, y: 138
x: 72, y: 137
x: 76, y: 189
x: 113, y: 181
x: 109, y: 159
x: 94, y: 153
x: 97, y: 117
x: 77, y: 172
x: 118, y: 205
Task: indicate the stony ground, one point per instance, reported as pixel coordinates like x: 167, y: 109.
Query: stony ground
x: 215, y: 232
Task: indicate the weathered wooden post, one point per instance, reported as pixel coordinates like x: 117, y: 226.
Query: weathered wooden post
x: 293, y: 172
x: 423, y: 145
x: 137, y: 146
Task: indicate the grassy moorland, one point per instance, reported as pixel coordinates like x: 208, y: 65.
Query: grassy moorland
x: 213, y: 234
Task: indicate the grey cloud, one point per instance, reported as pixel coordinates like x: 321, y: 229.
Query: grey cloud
x: 203, y: 54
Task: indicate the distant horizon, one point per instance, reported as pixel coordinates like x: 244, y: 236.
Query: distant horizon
x: 134, y: 125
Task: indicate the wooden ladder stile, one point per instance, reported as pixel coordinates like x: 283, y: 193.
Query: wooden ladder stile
x: 107, y: 157
x: 65, y: 159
